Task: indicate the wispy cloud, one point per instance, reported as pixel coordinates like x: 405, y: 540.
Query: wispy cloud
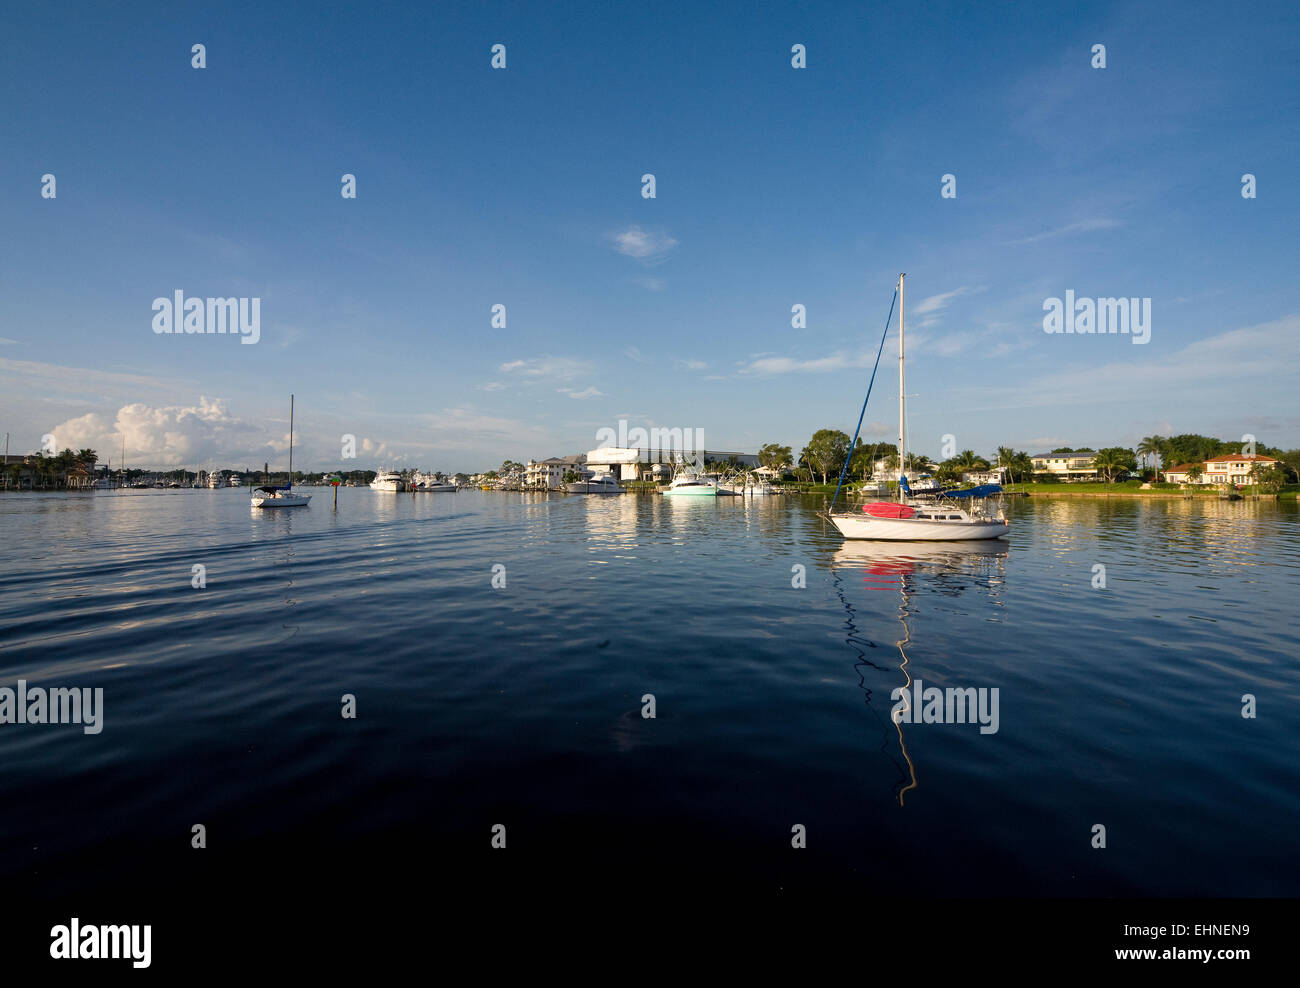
x: 1083, y: 226
x: 1265, y: 352
x: 582, y: 395
x: 767, y: 364
x: 546, y: 367
x: 641, y: 243
x: 694, y: 365
x: 5, y: 341
x: 651, y: 284
x: 632, y: 353
x: 937, y: 303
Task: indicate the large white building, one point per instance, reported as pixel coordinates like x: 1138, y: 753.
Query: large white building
x: 635, y: 463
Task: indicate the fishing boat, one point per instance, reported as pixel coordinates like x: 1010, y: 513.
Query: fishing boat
x: 602, y: 483
x: 939, y: 515
x: 282, y: 497
x: 691, y: 485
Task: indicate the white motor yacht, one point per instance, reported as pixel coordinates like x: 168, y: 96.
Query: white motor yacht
x: 603, y: 483
x: 387, y: 481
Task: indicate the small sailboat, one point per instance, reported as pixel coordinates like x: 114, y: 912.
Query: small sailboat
x: 939, y: 516
x: 282, y: 497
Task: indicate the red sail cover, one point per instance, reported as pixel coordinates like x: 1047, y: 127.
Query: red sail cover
x: 888, y: 509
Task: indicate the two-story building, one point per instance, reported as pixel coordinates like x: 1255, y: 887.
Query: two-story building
x: 548, y: 474
x: 1235, y: 470
x: 1067, y: 466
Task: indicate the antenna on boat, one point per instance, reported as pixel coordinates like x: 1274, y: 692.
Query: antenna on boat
x: 290, y: 440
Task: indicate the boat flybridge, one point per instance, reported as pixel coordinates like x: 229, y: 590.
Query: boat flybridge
x: 282, y: 497
x: 931, y: 516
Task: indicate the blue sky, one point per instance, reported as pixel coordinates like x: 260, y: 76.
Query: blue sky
x: 522, y: 186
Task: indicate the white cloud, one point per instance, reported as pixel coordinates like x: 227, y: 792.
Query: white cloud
x: 547, y: 367
x: 162, y: 436
x: 641, y: 243
x: 785, y: 365
x: 937, y: 303
x: 1265, y: 352
x: 583, y: 394
x: 1083, y: 226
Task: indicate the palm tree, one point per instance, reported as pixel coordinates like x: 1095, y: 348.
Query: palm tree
x: 968, y: 459
x: 918, y: 462
x: 1148, y: 447
x: 1108, y: 463
x: 1163, y: 447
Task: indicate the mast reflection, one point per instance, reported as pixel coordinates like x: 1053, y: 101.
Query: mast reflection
x: 911, y: 568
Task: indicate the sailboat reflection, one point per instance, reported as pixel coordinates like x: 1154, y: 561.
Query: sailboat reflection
x: 912, y: 568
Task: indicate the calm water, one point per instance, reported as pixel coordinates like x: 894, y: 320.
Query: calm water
x: 522, y: 706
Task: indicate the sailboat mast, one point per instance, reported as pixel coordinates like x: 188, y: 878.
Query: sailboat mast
x: 902, y: 442
x: 290, y: 440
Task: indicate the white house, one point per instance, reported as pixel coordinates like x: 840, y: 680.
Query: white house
x: 1067, y: 466
x: 1234, y: 469
x: 993, y: 476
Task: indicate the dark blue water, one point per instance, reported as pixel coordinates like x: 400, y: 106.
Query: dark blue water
x: 521, y: 706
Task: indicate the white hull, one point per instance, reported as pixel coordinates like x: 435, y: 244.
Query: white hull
x: 865, y: 526
x: 438, y: 488
x: 281, y: 501
x: 392, y: 486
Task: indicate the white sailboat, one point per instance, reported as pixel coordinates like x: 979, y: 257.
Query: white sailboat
x: 282, y: 497
x: 954, y: 516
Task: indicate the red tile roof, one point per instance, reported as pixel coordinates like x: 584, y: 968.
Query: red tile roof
x: 1240, y: 458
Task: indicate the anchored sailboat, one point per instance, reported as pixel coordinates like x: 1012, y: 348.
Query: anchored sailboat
x: 282, y: 497
x: 946, y: 516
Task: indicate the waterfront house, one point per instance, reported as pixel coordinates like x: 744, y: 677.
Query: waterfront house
x: 545, y: 475
x: 1066, y: 466
x: 1235, y: 470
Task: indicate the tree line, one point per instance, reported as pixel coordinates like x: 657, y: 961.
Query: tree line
x: 827, y: 451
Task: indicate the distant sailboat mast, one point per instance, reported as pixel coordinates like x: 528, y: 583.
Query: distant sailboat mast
x: 291, y: 441
x: 902, y: 441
